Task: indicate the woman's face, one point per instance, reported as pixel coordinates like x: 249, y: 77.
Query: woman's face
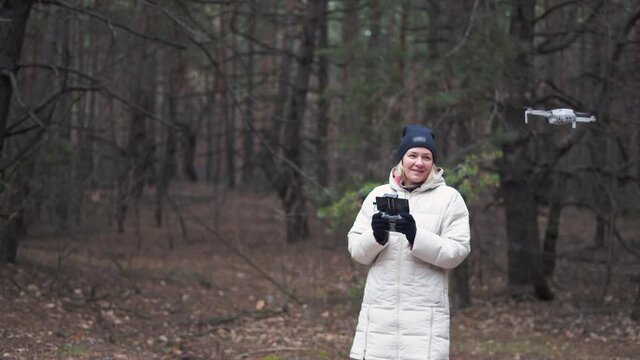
x: 416, y: 165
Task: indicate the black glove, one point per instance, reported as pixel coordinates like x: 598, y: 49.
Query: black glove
x: 380, y: 227
x: 407, y: 226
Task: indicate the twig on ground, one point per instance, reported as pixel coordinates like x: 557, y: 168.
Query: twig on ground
x: 270, y: 350
x: 244, y: 257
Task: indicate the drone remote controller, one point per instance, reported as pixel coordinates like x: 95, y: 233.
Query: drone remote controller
x: 391, y: 207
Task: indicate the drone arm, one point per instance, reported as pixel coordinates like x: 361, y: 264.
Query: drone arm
x: 586, y: 119
x: 539, y: 112
x: 535, y: 112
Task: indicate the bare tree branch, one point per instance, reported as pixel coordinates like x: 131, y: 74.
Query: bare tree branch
x: 570, y: 37
x: 41, y: 106
x: 467, y: 31
x: 111, y: 23
x: 102, y: 88
x: 16, y: 92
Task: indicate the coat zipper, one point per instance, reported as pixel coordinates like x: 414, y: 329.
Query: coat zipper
x: 398, y: 304
x: 401, y: 250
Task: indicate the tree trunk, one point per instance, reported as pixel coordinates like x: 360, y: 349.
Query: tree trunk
x: 250, y: 102
x: 517, y: 167
x: 292, y: 192
x: 189, y: 139
x: 553, y: 226
x: 211, y: 157
x: 67, y: 193
x: 369, y: 129
x: 280, y: 101
x: 461, y: 274
x: 347, y: 117
x: 322, y: 120
x: 14, y: 15
x: 139, y: 158
x: 177, y: 82
x: 635, y: 308
x: 167, y: 168
x: 168, y: 163
x: 85, y: 160
x: 520, y: 208
x: 435, y: 18
x: 598, y: 144
x: 462, y: 291
x: 13, y: 227
x: 226, y: 111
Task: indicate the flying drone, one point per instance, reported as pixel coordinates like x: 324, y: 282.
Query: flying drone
x: 561, y: 116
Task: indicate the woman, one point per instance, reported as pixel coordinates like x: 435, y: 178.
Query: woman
x: 405, y: 309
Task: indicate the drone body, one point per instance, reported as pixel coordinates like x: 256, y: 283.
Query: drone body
x: 561, y: 116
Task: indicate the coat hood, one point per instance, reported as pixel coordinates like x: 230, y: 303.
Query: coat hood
x: 433, y: 181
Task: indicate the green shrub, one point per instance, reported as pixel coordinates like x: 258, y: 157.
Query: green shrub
x: 341, y: 212
x: 471, y: 176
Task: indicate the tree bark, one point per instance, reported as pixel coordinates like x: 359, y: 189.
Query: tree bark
x: 598, y: 145
x: 189, y: 139
x: 212, y: 162
x: 226, y: 111
x: 517, y: 167
x: 292, y: 191
x: 250, y: 102
x: 282, y: 90
x: 322, y: 120
x: 635, y: 308
x: 139, y: 158
x: 68, y: 195
x: 553, y: 225
x: 167, y: 168
x: 348, y: 117
x: 14, y: 15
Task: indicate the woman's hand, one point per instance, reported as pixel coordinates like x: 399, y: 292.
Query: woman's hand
x: 380, y: 227
x: 407, y: 226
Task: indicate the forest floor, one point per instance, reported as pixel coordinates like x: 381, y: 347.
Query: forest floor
x: 217, y: 281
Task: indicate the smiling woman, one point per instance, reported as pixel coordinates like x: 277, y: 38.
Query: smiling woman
x: 405, y: 308
x: 416, y: 154
x: 415, y: 167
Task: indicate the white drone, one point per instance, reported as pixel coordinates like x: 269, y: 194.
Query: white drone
x: 561, y: 116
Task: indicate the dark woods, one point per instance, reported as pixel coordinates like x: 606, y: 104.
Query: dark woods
x: 114, y: 100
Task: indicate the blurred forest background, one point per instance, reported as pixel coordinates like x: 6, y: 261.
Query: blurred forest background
x: 182, y: 142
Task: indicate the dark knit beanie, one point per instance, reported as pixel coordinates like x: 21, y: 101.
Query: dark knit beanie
x: 416, y: 136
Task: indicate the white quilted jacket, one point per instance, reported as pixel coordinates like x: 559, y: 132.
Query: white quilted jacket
x: 405, y: 309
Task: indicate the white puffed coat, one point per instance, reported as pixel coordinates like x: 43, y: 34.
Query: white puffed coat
x: 405, y: 309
